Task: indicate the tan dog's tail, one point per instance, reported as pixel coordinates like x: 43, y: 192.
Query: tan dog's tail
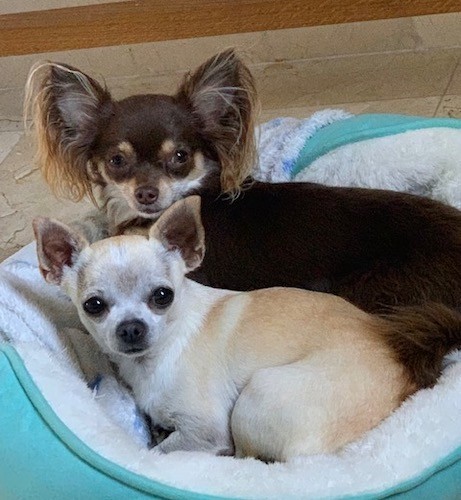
x: 421, y: 336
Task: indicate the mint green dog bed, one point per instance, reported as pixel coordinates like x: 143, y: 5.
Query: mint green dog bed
x: 43, y: 459
x: 60, y: 439
x: 69, y: 430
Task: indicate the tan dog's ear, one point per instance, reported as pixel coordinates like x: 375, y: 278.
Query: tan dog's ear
x: 57, y: 246
x: 222, y: 95
x: 180, y: 227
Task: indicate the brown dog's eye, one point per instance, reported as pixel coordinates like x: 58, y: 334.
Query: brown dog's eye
x: 117, y: 161
x: 181, y: 156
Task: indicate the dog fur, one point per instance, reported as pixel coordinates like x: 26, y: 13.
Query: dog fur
x: 271, y: 373
x: 137, y: 156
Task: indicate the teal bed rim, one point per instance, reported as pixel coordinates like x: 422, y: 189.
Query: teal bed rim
x: 150, y: 486
x: 79, y: 448
x: 360, y: 128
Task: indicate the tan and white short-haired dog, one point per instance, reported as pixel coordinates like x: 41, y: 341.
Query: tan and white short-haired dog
x: 271, y: 373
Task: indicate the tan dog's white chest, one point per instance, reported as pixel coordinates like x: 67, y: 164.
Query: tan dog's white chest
x: 154, y: 386
x: 170, y: 383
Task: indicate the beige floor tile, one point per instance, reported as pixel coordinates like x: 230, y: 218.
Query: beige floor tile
x: 121, y: 87
x: 11, y: 108
x: 442, y: 30
x: 356, y: 78
x: 183, y: 55
x: 7, y: 142
x: 342, y: 39
x: 101, y: 62
x: 23, y: 196
x: 455, y: 83
x: 450, y: 106
x: 11, y: 125
x: 14, y: 69
x: 425, y: 106
x: 330, y: 81
x: 279, y: 45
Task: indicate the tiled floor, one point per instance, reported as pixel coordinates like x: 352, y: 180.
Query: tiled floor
x: 410, y: 66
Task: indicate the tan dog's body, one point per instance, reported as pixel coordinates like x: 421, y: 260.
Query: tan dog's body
x: 272, y: 373
x: 309, y: 378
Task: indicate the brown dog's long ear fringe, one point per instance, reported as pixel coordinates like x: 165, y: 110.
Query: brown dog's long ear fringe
x: 68, y: 109
x: 180, y: 227
x: 222, y: 95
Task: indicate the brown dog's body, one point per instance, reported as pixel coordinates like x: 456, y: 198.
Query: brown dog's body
x: 375, y: 248
x: 139, y: 155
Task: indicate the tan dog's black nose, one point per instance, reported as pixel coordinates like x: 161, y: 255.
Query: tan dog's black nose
x: 146, y: 195
x: 132, y: 332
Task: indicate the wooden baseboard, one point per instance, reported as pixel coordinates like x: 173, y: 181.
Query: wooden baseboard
x: 154, y: 20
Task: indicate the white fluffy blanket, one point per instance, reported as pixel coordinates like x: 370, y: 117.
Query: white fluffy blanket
x: 424, y: 161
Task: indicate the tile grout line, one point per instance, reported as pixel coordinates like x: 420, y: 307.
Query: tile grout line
x: 362, y: 54
x: 450, y: 80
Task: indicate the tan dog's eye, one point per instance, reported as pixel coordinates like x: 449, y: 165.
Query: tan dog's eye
x: 162, y: 297
x: 94, y: 306
x: 181, y: 156
x: 117, y: 161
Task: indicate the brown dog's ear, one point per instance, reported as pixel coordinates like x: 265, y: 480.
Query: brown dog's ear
x: 69, y: 108
x: 57, y: 246
x: 180, y: 228
x: 222, y: 95
x: 78, y: 99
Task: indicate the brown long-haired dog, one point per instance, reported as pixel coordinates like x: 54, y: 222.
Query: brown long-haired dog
x: 137, y: 156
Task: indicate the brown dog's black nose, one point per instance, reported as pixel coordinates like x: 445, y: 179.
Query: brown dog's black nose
x: 131, y: 332
x: 146, y: 195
